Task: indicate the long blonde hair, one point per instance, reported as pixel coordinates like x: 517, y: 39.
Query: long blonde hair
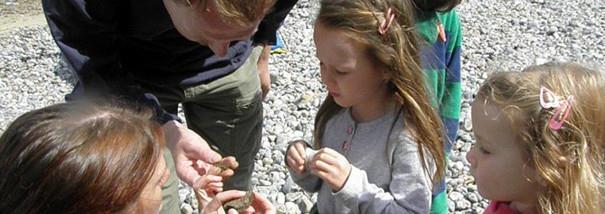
x: 568, y: 161
x: 396, y: 50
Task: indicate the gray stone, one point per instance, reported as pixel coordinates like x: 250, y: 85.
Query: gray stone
x: 186, y: 209
x: 305, y: 204
x: 292, y: 208
x: 463, y: 204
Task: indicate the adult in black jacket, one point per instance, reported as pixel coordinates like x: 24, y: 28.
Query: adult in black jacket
x: 210, y: 56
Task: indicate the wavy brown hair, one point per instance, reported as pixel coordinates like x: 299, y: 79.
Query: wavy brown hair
x: 78, y: 157
x: 569, y: 162
x: 397, y: 51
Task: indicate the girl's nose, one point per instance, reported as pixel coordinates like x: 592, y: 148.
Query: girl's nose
x: 470, y: 156
x: 326, y: 77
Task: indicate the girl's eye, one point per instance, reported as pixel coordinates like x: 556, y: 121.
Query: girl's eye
x: 482, y: 150
x: 339, y: 72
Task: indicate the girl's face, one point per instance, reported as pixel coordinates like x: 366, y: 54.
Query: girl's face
x: 498, y: 163
x: 150, y: 200
x: 346, y: 70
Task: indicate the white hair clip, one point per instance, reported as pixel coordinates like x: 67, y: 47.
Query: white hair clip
x: 549, y: 100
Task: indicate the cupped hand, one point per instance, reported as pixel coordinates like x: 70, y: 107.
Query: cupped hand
x: 295, y: 157
x: 332, y: 167
x: 192, y: 155
x: 259, y: 203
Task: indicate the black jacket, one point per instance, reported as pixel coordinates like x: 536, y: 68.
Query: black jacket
x: 116, y: 45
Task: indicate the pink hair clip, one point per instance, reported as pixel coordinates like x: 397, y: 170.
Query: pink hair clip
x: 549, y: 100
x: 388, y: 20
x: 441, y: 32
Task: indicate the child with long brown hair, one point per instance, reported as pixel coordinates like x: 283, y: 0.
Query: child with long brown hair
x: 379, y: 141
x: 539, y: 140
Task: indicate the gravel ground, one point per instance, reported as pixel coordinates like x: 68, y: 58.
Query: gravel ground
x: 498, y: 35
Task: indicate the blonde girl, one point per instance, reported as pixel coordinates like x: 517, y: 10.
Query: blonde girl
x: 539, y: 135
x: 379, y: 140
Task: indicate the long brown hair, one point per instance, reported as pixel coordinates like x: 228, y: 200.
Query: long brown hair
x: 569, y: 161
x: 77, y: 157
x: 396, y: 50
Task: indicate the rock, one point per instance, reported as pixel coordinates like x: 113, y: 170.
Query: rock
x: 305, y: 204
x: 186, y: 209
x: 292, y: 208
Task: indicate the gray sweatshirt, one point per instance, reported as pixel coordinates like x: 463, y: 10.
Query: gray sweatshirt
x: 386, y: 174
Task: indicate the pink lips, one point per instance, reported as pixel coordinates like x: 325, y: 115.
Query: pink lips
x: 334, y: 94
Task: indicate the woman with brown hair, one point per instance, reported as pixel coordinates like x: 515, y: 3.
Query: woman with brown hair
x: 81, y: 157
x: 76, y: 157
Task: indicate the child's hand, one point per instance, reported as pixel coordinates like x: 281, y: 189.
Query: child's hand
x: 212, y: 180
x: 212, y: 184
x: 295, y: 157
x: 332, y: 167
x: 259, y: 203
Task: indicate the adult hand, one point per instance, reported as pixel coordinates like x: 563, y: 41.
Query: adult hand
x: 192, y: 155
x: 263, y: 70
x: 259, y: 203
x: 295, y: 157
x: 332, y: 167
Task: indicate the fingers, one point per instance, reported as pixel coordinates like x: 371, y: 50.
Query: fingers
x: 262, y: 204
x: 201, y: 151
x: 325, y: 158
x: 191, y: 153
x: 296, y: 157
x: 203, y: 181
x: 295, y: 166
x: 218, y: 201
x: 224, y: 168
x: 265, y: 90
x: 249, y: 210
x: 230, y: 162
x: 226, y: 173
x: 187, y: 173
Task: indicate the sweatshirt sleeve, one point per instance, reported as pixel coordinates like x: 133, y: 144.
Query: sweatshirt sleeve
x: 306, y: 181
x: 451, y: 102
x: 408, y: 192
x: 86, y: 32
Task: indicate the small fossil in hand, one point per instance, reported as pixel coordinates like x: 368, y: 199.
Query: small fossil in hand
x: 240, y: 204
x: 220, y: 166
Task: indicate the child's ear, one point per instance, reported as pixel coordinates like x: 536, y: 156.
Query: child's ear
x: 386, y: 75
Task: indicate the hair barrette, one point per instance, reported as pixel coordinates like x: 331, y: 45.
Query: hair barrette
x: 549, y: 100
x: 388, y: 20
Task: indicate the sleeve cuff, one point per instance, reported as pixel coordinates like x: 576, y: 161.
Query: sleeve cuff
x: 160, y: 114
x: 352, y: 187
